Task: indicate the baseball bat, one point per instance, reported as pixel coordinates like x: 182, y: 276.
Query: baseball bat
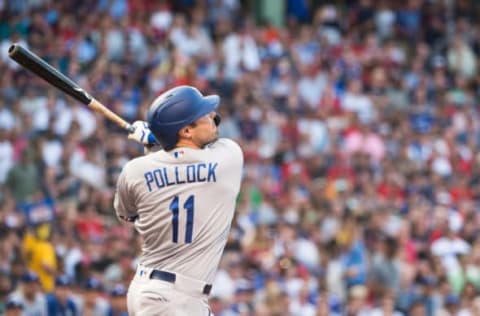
x: 41, y: 68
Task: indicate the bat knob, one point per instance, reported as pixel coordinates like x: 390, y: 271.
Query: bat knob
x: 13, y: 48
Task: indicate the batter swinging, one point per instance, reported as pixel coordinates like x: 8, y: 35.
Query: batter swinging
x: 181, y: 200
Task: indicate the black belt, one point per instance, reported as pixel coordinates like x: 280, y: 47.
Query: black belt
x: 171, y: 277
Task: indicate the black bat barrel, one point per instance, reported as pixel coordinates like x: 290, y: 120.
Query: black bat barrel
x: 41, y: 68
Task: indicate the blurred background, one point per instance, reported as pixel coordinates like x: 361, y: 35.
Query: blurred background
x: 360, y: 125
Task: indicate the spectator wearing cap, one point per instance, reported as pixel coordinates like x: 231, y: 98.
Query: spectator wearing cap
x: 60, y: 301
x: 13, y: 307
x: 93, y: 302
x: 30, y: 296
x: 451, y: 306
x: 118, y: 306
x: 243, y: 298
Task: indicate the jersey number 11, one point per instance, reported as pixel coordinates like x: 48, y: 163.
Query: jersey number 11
x: 188, y: 206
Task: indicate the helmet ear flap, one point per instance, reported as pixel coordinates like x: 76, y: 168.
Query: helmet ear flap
x: 217, y: 119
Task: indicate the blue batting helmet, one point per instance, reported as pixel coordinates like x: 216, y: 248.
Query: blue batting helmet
x: 175, y: 109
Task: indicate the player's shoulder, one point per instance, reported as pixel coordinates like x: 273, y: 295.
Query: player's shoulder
x: 227, y: 150
x: 225, y: 143
x: 134, y: 163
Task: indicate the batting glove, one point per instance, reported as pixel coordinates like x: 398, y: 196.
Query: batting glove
x: 142, y: 134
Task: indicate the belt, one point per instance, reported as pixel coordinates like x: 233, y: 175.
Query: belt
x: 172, y: 277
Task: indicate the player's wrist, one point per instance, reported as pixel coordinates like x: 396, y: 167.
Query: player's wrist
x: 142, y: 134
x: 151, y: 140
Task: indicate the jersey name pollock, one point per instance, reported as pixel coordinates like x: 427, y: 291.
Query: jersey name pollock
x: 167, y: 176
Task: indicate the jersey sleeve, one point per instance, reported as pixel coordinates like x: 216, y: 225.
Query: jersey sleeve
x: 123, y: 201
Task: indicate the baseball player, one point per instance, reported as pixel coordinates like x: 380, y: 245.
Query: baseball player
x: 181, y: 200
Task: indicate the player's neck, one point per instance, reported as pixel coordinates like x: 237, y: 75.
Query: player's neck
x: 187, y: 143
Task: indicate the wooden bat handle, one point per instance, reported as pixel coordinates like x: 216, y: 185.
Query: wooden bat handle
x: 100, y: 108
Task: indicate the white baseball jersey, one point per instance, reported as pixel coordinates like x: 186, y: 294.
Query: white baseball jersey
x: 185, y: 200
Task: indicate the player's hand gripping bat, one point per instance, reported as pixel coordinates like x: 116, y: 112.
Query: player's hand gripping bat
x: 51, y: 75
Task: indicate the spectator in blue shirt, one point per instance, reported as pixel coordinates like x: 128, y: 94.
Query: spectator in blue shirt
x: 60, y: 302
x: 118, y: 306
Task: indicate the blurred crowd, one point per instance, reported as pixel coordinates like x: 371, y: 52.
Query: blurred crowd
x: 361, y: 132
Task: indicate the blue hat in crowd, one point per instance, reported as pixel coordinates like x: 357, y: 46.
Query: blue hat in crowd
x: 13, y: 303
x: 452, y: 299
x: 243, y: 286
x: 29, y: 277
x: 93, y: 284
x: 118, y: 290
x: 62, y: 280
